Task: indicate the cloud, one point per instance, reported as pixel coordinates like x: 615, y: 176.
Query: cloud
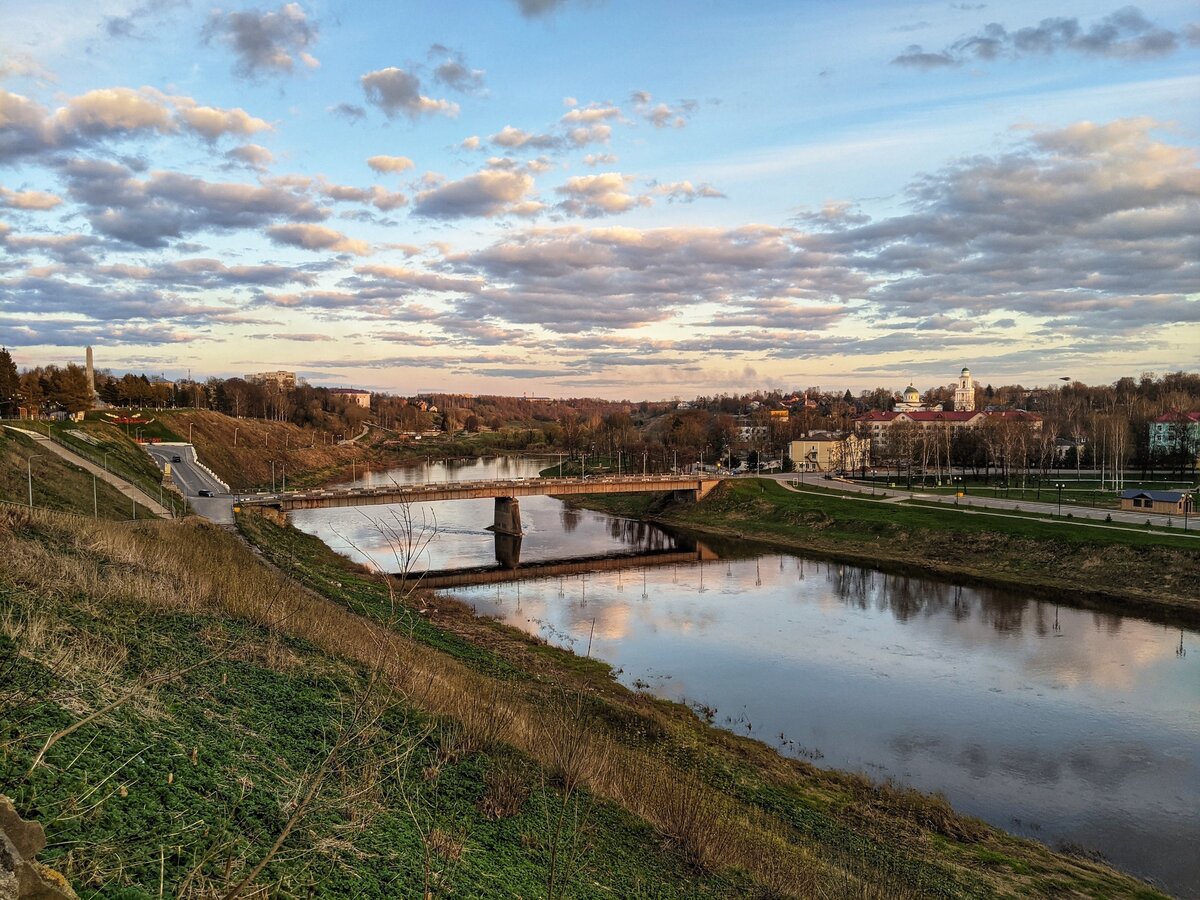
x: 148, y: 212
x: 590, y: 114
x: 204, y: 273
x: 599, y: 195
x: 306, y: 337
x: 316, y: 237
x: 532, y: 9
x: 515, y: 138
x: 398, y: 92
x: 251, y: 155
x: 470, y: 143
x: 27, y: 128
x: 265, y: 43
x: 599, y: 159
x: 390, y: 163
x: 589, y: 134
x: 28, y: 199
x: 409, y: 277
x: 126, y: 26
x: 349, y: 111
x: 571, y: 280
x: 685, y: 191
x: 212, y: 122
x: 453, y: 71
x: 1090, y: 224
x: 662, y: 115
x: 492, y: 192
x: 1124, y: 34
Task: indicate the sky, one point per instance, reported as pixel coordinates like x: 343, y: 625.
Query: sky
x: 631, y: 200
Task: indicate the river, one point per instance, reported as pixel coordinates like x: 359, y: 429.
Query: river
x: 1069, y: 726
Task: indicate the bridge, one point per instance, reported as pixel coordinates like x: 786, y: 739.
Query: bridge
x: 506, y: 492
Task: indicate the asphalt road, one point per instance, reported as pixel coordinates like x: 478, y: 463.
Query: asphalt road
x: 191, y: 479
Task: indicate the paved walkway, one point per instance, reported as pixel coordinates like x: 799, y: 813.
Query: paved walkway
x: 140, y: 496
x: 975, y: 504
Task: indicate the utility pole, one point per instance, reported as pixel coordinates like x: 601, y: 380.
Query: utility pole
x: 95, y: 501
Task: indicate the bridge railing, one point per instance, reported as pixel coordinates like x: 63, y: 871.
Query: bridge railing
x: 492, y: 484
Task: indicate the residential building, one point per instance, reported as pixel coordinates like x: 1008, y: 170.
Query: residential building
x: 876, y: 425
x: 1168, y: 502
x: 278, y: 379
x: 362, y: 398
x: 1175, y: 432
x: 824, y: 451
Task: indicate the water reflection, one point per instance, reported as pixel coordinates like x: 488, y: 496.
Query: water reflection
x: 552, y: 531
x: 1063, y: 724
x: 1087, y: 733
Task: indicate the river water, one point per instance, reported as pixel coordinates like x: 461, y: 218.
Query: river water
x: 1065, y: 725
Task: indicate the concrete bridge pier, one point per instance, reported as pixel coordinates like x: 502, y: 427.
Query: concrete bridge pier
x: 508, y: 516
x: 508, y: 550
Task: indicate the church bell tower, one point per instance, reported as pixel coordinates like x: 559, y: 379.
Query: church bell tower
x: 964, y: 394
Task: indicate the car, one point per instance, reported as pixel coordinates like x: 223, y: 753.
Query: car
x: 204, y: 492
x: 176, y: 458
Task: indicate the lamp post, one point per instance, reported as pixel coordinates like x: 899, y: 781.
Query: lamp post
x: 29, y: 475
x: 191, y: 425
x: 106, y: 452
x: 235, y: 434
x: 1060, y: 486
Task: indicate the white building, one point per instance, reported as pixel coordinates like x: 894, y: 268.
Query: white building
x: 909, y: 401
x: 362, y: 398
x: 964, y: 394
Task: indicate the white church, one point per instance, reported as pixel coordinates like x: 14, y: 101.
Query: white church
x: 964, y: 396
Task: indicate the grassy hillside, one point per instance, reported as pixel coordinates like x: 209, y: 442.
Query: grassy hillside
x: 1154, y: 573
x: 106, y: 444
x: 57, y: 484
x: 220, y: 726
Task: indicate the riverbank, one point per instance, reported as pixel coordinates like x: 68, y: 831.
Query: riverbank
x: 1150, y: 575
x: 908, y: 843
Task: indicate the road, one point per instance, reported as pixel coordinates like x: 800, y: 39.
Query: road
x: 191, y: 479
x: 977, y: 501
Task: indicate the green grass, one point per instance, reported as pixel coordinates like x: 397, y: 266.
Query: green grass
x: 107, y: 445
x: 313, y: 563
x: 191, y: 786
x: 842, y: 817
x: 192, y: 781
x: 848, y: 519
x: 57, y: 484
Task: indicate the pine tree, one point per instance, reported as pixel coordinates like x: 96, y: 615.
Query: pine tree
x: 9, y: 383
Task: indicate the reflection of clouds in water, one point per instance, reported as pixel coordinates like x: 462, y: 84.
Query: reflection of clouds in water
x: 463, y: 541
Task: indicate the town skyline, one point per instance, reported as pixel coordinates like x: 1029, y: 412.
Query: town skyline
x: 536, y: 198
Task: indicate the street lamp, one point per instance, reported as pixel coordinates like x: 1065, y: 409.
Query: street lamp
x: 106, y: 452
x: 235, y: 433
x: 191, y: 425
x: 1060, y: 486
x: 29, y: 475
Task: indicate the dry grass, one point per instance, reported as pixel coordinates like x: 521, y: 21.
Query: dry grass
x: 260, y: 442
x: 193, y: 567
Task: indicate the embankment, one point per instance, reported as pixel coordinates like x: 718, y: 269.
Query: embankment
x: 1152, y: 575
